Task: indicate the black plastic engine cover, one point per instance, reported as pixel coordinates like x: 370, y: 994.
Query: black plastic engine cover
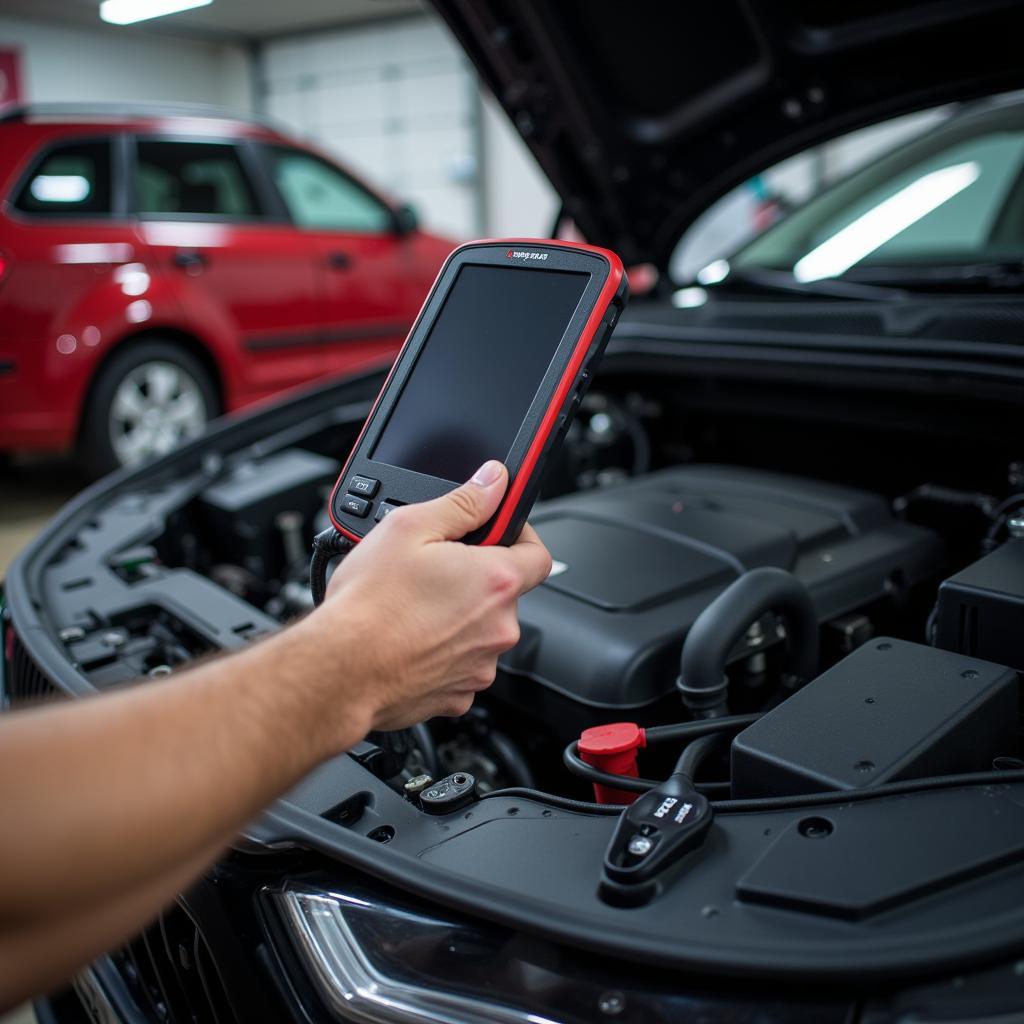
x: 635, y: 564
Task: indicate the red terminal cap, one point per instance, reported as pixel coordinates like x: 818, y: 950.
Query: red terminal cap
x: 612, y: 748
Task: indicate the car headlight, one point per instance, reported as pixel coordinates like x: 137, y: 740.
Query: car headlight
x: 376, y: 962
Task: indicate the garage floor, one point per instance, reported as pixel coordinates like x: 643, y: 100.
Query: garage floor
x: 29, y: 495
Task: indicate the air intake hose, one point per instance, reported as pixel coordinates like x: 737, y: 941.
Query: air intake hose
x: 702, y: 682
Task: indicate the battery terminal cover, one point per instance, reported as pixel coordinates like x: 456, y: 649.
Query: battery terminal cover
x: 613, y: 748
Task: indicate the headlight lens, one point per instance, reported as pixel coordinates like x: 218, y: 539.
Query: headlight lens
x: 400, y: 961
x: 374, y: 962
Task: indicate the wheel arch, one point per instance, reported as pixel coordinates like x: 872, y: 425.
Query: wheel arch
x: 188, y: 341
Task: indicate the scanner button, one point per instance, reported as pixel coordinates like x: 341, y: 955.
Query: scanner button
x: 384, y: 509
x: 363, y: 485
x: 354, y: 505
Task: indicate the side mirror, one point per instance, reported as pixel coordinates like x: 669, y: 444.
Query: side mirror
x: 406, y: 220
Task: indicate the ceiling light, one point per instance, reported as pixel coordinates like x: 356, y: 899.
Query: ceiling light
x: 885, y: 221
x: 127, y: 12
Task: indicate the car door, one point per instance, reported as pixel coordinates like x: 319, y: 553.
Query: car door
x: 368, y: 272
x: 239, y: 269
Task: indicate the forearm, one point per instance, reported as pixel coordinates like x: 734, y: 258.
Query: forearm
x: 108, y: 793
x: 39, y: 956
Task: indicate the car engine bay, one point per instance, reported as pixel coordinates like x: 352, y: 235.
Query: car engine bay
x: 841, y: 638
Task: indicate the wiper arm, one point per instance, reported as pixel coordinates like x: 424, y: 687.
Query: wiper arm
x: 784, y: 281
x: 1001, y: 275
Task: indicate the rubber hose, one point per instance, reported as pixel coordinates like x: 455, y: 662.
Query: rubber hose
x: 717, y: 630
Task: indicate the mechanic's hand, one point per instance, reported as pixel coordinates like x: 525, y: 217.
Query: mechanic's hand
x: 421, y: 618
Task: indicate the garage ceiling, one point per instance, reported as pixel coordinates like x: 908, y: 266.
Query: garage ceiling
x: 225, y: 19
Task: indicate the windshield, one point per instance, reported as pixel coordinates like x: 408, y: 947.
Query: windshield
x: 950, y: 198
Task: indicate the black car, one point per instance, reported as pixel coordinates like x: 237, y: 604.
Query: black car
x: 788, y: 533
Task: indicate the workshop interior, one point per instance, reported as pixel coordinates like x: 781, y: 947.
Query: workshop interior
x: 758, y: 754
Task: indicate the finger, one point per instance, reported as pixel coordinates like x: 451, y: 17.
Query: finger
x: 468, y: 507
x: 530, y: 559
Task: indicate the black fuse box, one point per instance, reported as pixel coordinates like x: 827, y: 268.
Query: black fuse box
x: 891, y: 710
x: 981, y: 609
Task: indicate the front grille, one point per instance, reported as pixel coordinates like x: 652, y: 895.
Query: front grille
x: 26, y: 682
x: 172, y: 975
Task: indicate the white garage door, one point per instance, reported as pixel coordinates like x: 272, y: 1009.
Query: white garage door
x: 397, y: 102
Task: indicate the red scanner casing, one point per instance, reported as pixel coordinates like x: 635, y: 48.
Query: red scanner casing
x: 549, y: 417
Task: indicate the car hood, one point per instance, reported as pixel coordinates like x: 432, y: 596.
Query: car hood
x: 643, y: 113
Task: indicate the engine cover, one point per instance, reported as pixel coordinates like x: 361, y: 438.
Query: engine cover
x: 635, y: 564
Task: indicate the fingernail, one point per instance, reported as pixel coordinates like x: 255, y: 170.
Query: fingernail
x: 487, y: 474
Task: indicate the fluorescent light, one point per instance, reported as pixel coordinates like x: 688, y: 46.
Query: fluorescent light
x: 715, y: 271
x: 885, y: 221
x: 60, y: 188
x: 126, y: 12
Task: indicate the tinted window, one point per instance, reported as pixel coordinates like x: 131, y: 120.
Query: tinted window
x: 320, y: 196
x: 72, y: 178
x: 954, y: 197
x: 197, y: 178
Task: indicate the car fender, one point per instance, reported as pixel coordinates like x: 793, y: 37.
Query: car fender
x: 133, y: 300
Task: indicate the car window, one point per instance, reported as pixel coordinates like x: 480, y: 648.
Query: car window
x: 952, y: 199
x: 192, y: 178
x: 320, y: 196
x: 73, y: 178
x: 899, y: 201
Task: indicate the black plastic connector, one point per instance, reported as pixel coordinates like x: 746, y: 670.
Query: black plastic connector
x: 449, y: 794
x: 327, y: 545
x: 653, y: 833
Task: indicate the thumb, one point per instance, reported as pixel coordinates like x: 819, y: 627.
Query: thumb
x: 456, y: 513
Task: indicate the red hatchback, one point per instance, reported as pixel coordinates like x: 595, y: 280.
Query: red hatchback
x: 157, y: 269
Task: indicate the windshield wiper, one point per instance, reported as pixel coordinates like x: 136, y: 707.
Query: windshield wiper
x: 783, y: 281
x: 992, y: 275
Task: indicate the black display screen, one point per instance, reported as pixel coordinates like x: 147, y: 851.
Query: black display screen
x: 479, y: 370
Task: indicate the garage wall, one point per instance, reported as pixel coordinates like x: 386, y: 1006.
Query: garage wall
x: 399, y: 103
x: 63, y: 64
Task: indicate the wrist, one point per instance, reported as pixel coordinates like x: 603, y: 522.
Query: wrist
x: 333, y: 678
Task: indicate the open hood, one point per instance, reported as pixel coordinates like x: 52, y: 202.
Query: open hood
x: 643, y: 112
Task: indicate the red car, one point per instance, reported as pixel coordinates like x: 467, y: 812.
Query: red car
x: 157, y: 269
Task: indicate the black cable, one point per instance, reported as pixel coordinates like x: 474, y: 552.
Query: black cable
x: 656, y: 734
x: 984, y: 503
x: 694, y: 754
x: 562, y: 802
x: 327, y: 546
x: 702, y: 727
x: 781, y: 803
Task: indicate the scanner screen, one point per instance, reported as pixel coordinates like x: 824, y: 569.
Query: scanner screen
x: 479, y: 370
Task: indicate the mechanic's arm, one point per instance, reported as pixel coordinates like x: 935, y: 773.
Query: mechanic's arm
x: 105, y: 800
